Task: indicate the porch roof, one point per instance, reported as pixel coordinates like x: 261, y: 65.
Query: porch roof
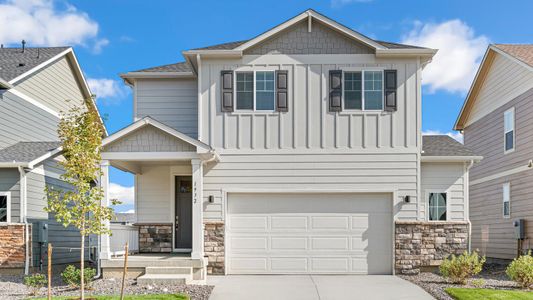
x: 148, y: 140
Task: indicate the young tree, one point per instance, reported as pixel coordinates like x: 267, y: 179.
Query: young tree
x: 81, y: 134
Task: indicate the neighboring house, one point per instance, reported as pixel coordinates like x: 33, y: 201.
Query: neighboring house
x: 36, y: 84
x: 298, y: 151
x: 497, y: 123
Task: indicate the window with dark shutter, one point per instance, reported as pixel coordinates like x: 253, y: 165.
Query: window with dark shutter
x: 335, y: 90
x: 227, y: 90
x: 391, y: 86
x: 282, y: 96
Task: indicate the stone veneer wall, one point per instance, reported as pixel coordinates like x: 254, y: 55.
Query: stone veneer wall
x: 214, y: 246
x: 12, y: 246
x: 425, y: 244
x: 155, y: 238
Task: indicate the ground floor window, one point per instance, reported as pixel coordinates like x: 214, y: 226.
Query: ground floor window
x: 5, y: 207
x: 506, y: 200
x: 437, y: 206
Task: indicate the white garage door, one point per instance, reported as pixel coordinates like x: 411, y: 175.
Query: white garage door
x: 309, y: 233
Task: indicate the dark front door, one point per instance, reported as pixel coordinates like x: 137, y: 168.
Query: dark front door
x: 183, y: 213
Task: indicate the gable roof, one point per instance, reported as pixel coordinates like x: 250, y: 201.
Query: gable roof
x: 520, y: 54
x: 200, y: 146
x: 28, y: 153
x: 443, y: 145
x: 15, y: 62
x: 176, y: 67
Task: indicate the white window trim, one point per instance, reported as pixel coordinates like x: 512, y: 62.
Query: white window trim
x: 363, y: 70
x: 253, y: 110
x: 510, y: 110
x: 428, y: 192
x: 508, y: 185
x: 8, y: 194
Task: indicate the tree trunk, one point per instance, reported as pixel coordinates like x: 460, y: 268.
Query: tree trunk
x: 82, y: 267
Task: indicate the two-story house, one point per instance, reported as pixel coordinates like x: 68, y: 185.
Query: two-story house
x: 497, y: 123
x: 297, y: 151
x: 36, y: 85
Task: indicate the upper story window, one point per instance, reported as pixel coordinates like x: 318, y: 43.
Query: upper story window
x: 509, y: 133
x: 437, y: 206
x: 363, y: 90
x: 506, y: 200
x: 255, y: 90
x: 5, y: 206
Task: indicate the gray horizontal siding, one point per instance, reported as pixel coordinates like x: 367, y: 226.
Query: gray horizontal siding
x: 23, y: 121
x: 485, y: 137
x: 9, y: 182
x: 491, y: 232
x: 173, y: 102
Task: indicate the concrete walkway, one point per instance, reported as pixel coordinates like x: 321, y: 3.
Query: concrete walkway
x: 314, y: 287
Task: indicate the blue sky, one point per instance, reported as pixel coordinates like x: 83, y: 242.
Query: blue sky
x: 115, y: 36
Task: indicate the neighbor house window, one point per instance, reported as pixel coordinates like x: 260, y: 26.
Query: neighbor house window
x: 509, y: 135
x: 437, y: 206
x: 363, y: 90
x: 506, y: 200
x: 255, y: 91
x: 5, y: 207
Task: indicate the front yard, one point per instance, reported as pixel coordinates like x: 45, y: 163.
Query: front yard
x: 491, y: 283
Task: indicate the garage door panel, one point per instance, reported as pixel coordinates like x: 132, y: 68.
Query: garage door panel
x: 310, y: 233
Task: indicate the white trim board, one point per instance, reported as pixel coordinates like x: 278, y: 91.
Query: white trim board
x: 8, y: 195
x: 35, y: 102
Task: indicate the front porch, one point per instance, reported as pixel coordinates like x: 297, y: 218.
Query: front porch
x: 168, y: 169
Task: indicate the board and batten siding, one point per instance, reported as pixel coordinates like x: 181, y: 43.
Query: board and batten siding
x: 170, y: 101
x: 55, y: 86
x: 506, y: 79
x: 449, y: 178
x: 22, y: 121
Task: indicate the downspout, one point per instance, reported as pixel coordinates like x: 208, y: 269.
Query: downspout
x: 24, y: 218
x: 467, y: 193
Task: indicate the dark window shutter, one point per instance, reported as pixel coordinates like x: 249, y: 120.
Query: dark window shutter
x: 226, y: 82
x: 335, y: 90
x: 391, y: 85
x: 282, y: 91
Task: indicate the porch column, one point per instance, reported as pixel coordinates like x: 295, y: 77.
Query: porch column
x: 197, y: 209
x: 105, y: 249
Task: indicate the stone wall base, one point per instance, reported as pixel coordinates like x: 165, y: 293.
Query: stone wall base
x: 155, y: 238
x: 214, y: 246
x: 426, y: 244
x: 12, y: 245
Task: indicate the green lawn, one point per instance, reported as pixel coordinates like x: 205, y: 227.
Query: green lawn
x: 488, y: 294
x: 136, y: 297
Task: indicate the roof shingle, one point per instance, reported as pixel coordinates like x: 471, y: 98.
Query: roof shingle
x: 14, y: 62
x: 176, y: 67
x: 443, y: 145
x: 23, y: 152
x: 523, y: 52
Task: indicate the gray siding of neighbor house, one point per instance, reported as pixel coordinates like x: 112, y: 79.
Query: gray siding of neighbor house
x: 149, y: 139
x: 492, y: 232
x: 22, y: 121
x: 55, y: 86
x: 298, y: 40
x: 9, y: 182
x: 171, y: 101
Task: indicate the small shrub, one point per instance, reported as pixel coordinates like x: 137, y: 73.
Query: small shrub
x: 478, y: 283
x: 35, y: 281
x: 72, y: 276
x: 458, y: 269
x: 521, y: 270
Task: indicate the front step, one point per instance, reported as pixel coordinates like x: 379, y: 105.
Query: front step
x: 155, y: 279
x: 169, y: 270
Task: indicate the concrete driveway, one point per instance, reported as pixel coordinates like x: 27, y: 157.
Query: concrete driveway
x: 314, y: 287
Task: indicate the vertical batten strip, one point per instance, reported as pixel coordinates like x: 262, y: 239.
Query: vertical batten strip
x: 323, y: 110
x: 293, y: 102
x: 363, y: 131
x: 239, y: 138
x: 267, y: 132
x: 405, y: 108
x: 378, y: 130
x: 307, y: 96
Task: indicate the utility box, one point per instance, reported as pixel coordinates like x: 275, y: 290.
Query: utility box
x: 42, y: 232
x: 519, y: 229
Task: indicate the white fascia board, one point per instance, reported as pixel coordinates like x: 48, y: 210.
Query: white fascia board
x: 39, y: 67
x: 37, y: 103
x: 13, y: 164
x: 429, y: 53
x: 135, y: 75
x: 44, y: 157
x: 149, y: 156
x: 450, y: 158
x: 4, y: 84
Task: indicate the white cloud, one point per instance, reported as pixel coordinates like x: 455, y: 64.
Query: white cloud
x: 456, y: 135
x: 106, y: 90
x: 460, y: 53
x: 338, y: 3
x: 43, y: 23
x: 124, y: 194
x: 129, y: 211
